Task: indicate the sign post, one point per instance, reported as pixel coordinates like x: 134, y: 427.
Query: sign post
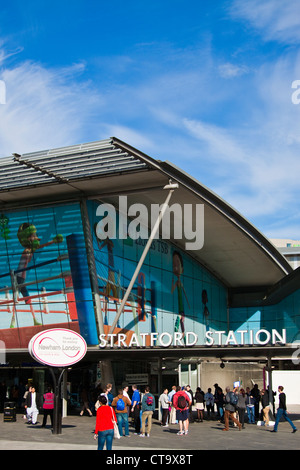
x: 57, y: 348
x: 57, y: 402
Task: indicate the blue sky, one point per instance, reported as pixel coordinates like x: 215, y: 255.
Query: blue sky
x: 206, y: 85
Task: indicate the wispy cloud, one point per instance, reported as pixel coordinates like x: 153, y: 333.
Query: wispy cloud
x: 274, y: 19
x: 44, y: 107
x: 229, y: 70
x: 135, y: 138
x: 4, y: 55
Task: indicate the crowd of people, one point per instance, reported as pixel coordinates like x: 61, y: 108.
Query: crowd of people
x: 240, y: 405
x: 246, y: 404
x: 181, y: 406
x: 211, y: 405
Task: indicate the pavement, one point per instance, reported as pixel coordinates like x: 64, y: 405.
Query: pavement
x: 77, y: 434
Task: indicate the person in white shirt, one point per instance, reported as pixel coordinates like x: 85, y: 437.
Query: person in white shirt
x: 32, y: 405
x: 164, y: 403
x: 172, y: 416
x: 125, y: 393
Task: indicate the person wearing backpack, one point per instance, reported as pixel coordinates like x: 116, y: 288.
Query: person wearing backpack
x: 148, y: 406
x: 120, y: 403
x: 231, y: 399
x: 182, y: 402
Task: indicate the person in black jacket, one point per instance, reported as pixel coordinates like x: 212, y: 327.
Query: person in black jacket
x: 199, y: 397
x: 256, y: 395
x: 282, y: 411
x: 220, y: 402
x: 264, y: 396
x: 32, y: 405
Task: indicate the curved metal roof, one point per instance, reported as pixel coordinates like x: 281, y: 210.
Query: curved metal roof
x: 64, y: 165
x: 234, y: 250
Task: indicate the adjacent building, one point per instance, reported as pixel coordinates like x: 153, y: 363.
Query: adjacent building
x: 290, y: 249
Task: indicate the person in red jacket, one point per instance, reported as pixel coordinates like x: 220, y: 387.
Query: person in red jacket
x: 104, y: 424
x: 182, y: 402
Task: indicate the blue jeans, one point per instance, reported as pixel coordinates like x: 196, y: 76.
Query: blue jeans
x: 105, y: 436
x: 122, y: 418
x: 281, y: 412
x: 251, y: 414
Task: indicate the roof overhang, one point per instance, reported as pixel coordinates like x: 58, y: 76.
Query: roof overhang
x: 178, y: 354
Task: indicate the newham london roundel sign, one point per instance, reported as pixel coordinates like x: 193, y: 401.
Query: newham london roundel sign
x: 57, y: 347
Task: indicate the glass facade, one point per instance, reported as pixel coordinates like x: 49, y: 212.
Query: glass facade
x: 284, y: 315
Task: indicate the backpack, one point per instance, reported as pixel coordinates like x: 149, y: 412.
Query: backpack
x: 149, y: 400
x: 233, y: 399
x: 120, y: 405
x: 181, y: 402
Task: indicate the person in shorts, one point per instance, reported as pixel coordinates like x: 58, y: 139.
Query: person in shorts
x: 199, y: 397
x: 182, y: 402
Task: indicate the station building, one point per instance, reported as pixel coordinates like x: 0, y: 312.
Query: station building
x: 211, y: 300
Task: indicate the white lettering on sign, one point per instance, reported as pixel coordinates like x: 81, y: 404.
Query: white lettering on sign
x: 189, y: 339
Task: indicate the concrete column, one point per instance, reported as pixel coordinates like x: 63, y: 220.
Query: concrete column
x: 199, y: 375
x: 179, y: 374
x: 269, y: 368
x: 107, y: 375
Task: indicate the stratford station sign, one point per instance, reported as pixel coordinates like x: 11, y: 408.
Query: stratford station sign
x: 260, y: 337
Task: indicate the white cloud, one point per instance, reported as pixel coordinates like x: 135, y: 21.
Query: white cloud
x: 132, y: 137
x: 229, y: 70
x: 5, y: 55
x: 220, y: 144
x: 247, y: 168
x: 44, y: 108
x: 274, y: 19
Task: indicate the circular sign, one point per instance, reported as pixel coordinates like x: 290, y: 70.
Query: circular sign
x: 58, y: 347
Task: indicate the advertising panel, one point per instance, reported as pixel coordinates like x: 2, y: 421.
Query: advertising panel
x: 44, y: 279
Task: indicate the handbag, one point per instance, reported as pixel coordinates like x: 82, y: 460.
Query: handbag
x: 116, y: 428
